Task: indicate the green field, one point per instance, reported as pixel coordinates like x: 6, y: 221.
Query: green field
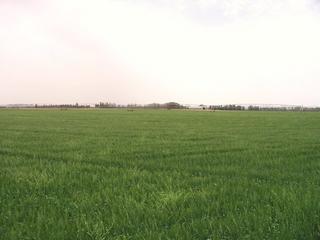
x: 115, y: 174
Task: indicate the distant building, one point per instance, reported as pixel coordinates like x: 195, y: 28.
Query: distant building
x: 197, y: 107
x: 203, y: 107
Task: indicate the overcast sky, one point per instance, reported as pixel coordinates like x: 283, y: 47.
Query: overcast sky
x: 139, y: 51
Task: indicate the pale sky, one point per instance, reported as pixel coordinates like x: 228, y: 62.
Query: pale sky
x: 139, y: 51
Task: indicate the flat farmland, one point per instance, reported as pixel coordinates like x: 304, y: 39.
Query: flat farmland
x: 159, y: 174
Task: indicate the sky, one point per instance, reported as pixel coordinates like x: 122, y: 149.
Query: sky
x: 139, y: 51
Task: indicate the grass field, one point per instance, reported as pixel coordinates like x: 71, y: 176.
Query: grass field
x: 114, y: 174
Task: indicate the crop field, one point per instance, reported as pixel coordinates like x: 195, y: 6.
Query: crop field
x: 159, y: 174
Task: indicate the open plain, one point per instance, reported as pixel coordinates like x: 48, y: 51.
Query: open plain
x: 159, y: 174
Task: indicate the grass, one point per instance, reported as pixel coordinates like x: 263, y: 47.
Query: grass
x: 114, y: 174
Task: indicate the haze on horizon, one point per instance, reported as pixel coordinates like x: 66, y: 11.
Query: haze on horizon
x: 189, y: 51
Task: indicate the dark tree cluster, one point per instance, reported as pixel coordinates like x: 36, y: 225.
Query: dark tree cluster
x: 173, y: 105
x: 169, y: 105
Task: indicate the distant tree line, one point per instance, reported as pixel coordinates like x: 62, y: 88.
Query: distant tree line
x: 76, y: 105
x: 233, y: 107
x: 169, y: 105
x: 279, y: 109
x: 260, y: 108
x: 108, y: 105
x: 230, y: 107
x: 310, y: 109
